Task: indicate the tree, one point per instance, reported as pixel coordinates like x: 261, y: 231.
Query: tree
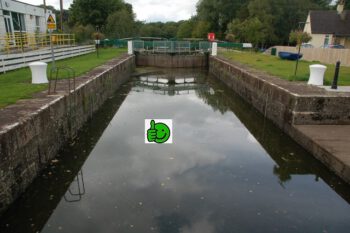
x: 298, y: 37
x: 94, y: 12
x: 200, y: 29
x: 120, y: 24
x: 218, y: 13
x: 185, y: 29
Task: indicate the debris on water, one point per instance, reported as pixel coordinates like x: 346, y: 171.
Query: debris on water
x: 291, y: 153
x: 50, y: 173
x: 131, y: 226
x: 162, y: 184
x: 171, y: 158
x: 140, y: 203
x: 55, y: 161
x: 250, y: 191
x: 202, y: 198
x: 68, y: 171
x: 60, y: 228
x: 168, y: 178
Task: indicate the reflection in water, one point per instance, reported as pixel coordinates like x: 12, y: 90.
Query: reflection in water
x: 76, y: 190
x: 229, y: 170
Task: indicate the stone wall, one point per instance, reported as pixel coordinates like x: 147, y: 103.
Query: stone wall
x: 303, y: 112
x: 32, y: 140
x: 285, y: 103
x: 172, y: 60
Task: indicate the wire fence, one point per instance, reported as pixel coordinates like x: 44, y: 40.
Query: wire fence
x: 22, y: 41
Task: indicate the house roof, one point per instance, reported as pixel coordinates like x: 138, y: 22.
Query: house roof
x: 330, y: 22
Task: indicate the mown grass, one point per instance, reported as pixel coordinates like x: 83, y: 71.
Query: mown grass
x: 284, y: 68
x: 15, y: 85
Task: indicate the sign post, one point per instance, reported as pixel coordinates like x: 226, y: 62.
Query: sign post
x: 51, y: 25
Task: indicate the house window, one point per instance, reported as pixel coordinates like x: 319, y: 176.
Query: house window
x: 37, y: 23
x: 18, y: 21
x: 326, y: 40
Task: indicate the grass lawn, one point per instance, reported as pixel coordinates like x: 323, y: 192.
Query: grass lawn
x: 15, y: 85
x: 284, y: 68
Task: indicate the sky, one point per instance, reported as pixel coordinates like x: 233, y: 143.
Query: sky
x: 146, y: 10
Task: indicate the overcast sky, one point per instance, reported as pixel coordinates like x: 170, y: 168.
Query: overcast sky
x: 146, y: 10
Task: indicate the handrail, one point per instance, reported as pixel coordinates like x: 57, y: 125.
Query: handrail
x: 20, y: 41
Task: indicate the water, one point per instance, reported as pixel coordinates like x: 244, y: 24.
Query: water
x: 229, y: 170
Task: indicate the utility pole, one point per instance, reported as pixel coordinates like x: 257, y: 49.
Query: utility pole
x: 61, y: 14
x: 45, y: 7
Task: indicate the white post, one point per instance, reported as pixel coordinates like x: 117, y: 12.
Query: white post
x: 317, y: 74
x: 214, y: 49
x: 130, y: 49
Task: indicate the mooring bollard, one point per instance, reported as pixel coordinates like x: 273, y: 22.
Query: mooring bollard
x: 336, y: 75
x: 130, y: 47
x: 317, y: 74
x: 38, y: 72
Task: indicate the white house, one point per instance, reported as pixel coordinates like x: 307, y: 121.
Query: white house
x: 329, y: 27
x: 20, y: 18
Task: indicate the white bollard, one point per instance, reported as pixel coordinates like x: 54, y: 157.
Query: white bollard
x: 214, y: 49
x: 38, y: 72
x: 130, y: 49
x: 317, y: 74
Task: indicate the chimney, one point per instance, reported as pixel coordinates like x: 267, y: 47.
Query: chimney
x: 340, y: 9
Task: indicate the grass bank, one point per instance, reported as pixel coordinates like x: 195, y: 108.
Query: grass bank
x: 15, y: 85
x: 284, y: 68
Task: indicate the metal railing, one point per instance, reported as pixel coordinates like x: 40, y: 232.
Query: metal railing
x: 22, y: 41
x: 166, y: 46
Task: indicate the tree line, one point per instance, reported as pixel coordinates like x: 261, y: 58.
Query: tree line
x: 261, y: 22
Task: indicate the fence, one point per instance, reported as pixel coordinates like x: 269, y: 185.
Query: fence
x: 22, y: 41
x: 166, y: 46
x: 328, y: 56
x: 14, y: 61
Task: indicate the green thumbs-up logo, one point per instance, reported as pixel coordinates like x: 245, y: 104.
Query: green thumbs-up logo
x: 158, y: 131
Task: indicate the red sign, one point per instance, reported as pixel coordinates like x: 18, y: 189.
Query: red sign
x: 211, y: 36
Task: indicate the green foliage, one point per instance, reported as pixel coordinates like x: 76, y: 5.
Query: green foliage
x: 200, y: 29
x: 230, y: 37
x: 120, y: 24
x: 298, y: 37
x: 159, y: 29
x: 94, y: 12
x: 219, y: 13
x: 83, y: 33
x: 185, y: 29
x: 250, y: 30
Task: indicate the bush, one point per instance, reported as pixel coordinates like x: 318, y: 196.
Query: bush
x: 83, y: 33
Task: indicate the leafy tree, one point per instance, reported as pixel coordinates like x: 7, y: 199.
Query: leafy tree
x: 251, y: 30
x: 185, y: 29
x: 151, y: 29
x: 83, y: 33
x: 218, y: 13
x: 120, y: 24
x: 298, y: 37
x: 200, y: 29
x: 169, y: 29
x: 94, y: 12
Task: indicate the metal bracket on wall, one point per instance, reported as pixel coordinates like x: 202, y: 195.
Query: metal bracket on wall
x: 55, y: 72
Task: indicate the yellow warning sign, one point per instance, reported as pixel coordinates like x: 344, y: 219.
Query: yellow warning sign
x: 51, y: 21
